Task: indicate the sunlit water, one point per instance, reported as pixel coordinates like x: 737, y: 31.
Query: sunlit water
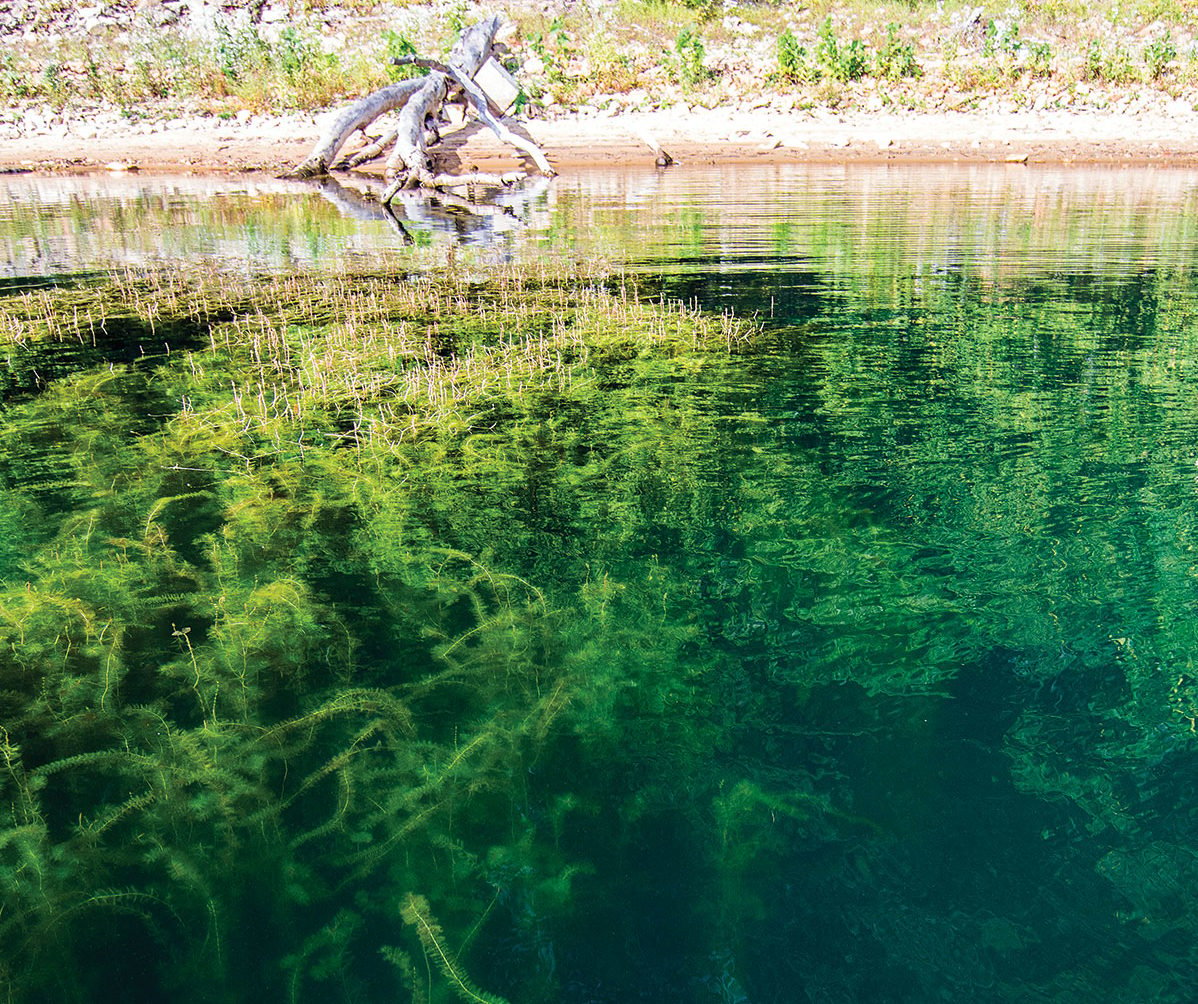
x: 926, y: 566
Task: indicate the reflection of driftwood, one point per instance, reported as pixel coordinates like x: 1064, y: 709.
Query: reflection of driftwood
x: 349, y: 201
x: 477, y: 208
x: 397, y: 225
x: 359, y: 206
x: 417, y: 207
x: 419, y: 102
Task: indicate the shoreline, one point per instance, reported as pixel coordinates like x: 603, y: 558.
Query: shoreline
x: 273, y: 144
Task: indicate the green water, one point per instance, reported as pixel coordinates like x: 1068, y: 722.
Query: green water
x: 850, y: 659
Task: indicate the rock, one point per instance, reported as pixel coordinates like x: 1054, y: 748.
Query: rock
x: 739, y: 26
x: 161, y: 15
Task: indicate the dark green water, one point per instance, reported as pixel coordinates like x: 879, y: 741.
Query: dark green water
x: 856, y: 664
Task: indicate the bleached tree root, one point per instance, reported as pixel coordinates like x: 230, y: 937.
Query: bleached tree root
x: 478, y: 101
x: 357, y: 116
x: 419, y: 103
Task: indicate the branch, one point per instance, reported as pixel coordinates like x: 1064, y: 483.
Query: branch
x: 370, y: 151
x: 479, y: 101
x: 356, y: 116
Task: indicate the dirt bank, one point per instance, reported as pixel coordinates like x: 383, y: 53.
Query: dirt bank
x: 693, y: 136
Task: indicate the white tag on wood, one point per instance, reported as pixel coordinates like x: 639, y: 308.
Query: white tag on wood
x: 497, y: 84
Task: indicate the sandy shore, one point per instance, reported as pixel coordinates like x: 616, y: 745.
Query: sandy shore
x: 699, y: 136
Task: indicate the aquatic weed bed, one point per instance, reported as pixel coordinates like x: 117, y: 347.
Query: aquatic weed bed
x: 286, y: 706
x: 467, y: 635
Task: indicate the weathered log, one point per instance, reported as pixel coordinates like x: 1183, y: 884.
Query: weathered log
x: 419, y: 102
x: 478, y: 100
x: 370, y: 151
x: 469, y: 53
x: 357, y: 116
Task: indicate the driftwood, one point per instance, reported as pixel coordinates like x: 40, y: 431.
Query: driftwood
x: 478, y: 100
x: 419, y: 103
x: 357, y: 116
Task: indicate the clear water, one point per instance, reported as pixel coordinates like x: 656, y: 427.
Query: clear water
x: 891, y: 619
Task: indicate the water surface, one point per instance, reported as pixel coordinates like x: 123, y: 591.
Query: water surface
x: 876, y: 633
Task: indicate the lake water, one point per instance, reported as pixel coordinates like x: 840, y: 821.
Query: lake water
x: 854, y: 663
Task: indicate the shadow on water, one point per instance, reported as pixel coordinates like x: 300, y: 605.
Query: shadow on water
x: 26, y: 283
x: 121, y: 341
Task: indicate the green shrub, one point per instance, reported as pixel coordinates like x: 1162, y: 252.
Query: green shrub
x: 554, y: 50
x: 841, y: 62
x: 1039, y: 59
x: 689, y: 54
x: 896, y: 59
x: 396, y: 46
x: 794, y: 63
x: 1158, y: 54
x: 1113, y: 68
x: 1001, y: 39
x: 295, y: 55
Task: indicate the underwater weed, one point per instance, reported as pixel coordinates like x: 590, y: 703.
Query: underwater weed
x: 416, y: 914
x: 262, y: 657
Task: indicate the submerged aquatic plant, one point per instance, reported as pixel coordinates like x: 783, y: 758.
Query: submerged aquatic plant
x: 378, y: 637
x: 270, y: 667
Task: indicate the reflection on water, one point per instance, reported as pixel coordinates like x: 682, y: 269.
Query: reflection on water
x: 58, y: 223
x: 853, y: 663
x: 851, y: 219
